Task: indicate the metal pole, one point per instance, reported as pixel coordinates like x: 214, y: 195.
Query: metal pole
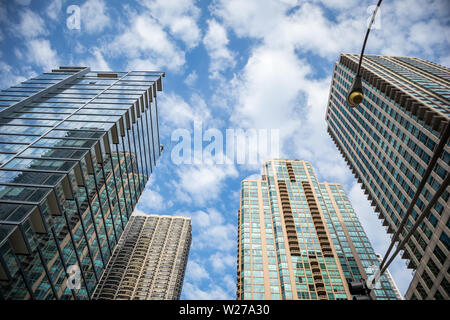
x: 419, y: 220
x: 367, y: 36
x: 437, y: 153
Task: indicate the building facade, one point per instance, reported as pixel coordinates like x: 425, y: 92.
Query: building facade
x: 388, y: 141
x: 300, y: 239
x: 76, y: 150
x: 398, y: 294
x: 150, y: 260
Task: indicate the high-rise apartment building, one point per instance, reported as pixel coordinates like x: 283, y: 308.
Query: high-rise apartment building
x: 300, y: 239
x: 76, y: 150
x: 150, y: 260
x: 388, y: 141
x: 398, y: 294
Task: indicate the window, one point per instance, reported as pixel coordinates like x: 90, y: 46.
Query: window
x: 445, y: 239
x: 426, y: 278
x: 439, y: 254
x: 446, y: 286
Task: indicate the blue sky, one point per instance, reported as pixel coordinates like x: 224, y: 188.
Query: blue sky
x: 253, y: 64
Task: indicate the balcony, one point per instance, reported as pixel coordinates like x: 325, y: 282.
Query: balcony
x: 317, y: 276
x: 322, y: 295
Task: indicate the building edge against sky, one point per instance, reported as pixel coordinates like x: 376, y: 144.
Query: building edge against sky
x: 149, y: 261
x: 398, y: 294
x: 76, y: 149
x: 387, y: 141
x: 300, y: 239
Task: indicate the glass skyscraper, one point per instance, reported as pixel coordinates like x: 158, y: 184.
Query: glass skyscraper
x: 388, y: 141
x: 300, y: 239
x: 76, y: 150
x: 150, y: 260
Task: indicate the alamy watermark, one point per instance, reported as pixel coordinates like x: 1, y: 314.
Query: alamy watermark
x: 73, y: 21
x: 233, y: 145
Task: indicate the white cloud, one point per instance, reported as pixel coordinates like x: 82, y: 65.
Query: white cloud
x: 203, y: 182
x: 222, y: 261
x: 219, y: 237
x: 268, y: 92
x: 147, y: 45
x: 79, y: 49
x: 215, y: 42
x: 339, y: 4
x: 93, y: 16
x: 280, y: 88
x: 200, y: 284
x: 176, y: 112
x: 250, y: 18
x: 152, y: 200
x: 292, y: 101
x: 191, y: 79
x: 211, y: 230
x: 204, y: 219
x: 308, y: 28
x: 213, y: 292
x: 195, y: 271
x: 54, y: 9
x: 30, y: 25
x: 186, y: 29
x: 142, y: 64
x: 445, y: 61
x: 327, y: 38
x: 179, y: 16
x: 9, y: 76
x: 97, y: 61
x: 426, y: 35
x: 40, y: 52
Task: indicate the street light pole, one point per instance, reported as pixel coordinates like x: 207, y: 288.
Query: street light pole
x: 354, y: 98
x: 355, y: 94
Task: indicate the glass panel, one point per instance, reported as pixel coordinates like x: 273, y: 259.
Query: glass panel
x: 27, y: 177
x: 55, y: 165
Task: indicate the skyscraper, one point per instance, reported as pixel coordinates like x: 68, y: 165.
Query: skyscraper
x: 398, y: 294
x: 76, y: 149
x: 388, y: 141
x: 150, y: 260
x: 300, y: 239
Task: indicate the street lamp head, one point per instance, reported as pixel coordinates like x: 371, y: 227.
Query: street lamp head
x: 355, y: 95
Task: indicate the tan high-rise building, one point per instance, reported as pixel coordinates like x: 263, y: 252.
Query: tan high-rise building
x: 149, y: 261
x: 301, y: 239
x: 398, y: 294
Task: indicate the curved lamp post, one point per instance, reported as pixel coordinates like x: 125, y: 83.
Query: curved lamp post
x: 356, y: 95
x: 354, y: 98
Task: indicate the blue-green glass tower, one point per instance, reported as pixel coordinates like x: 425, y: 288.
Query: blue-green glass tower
x: 76, y: 150
x: 388, y: 142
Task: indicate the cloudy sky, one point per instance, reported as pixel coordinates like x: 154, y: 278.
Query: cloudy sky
x: 248, y: 64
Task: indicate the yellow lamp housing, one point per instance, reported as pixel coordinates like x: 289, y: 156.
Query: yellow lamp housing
x: 355, y: 95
